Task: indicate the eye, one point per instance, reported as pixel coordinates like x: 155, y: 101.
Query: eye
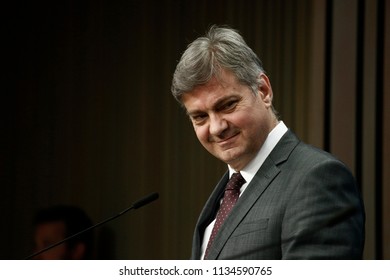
x: 198, y: 119
x: 229, y: 105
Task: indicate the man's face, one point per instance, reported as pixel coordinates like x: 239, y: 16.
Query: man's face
x: 47, y: 234
x: 229, y: 120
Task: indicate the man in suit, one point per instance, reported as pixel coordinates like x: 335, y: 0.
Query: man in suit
x: 291, y: 201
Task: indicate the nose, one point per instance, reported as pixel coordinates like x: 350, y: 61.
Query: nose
x: 218, y: 125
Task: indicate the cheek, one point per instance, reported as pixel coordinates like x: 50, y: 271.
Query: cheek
x: 242, y: 120
x: 202, y: 134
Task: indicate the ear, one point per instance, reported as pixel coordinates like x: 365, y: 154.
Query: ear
x: 78, y: 252
x: 265, y: 90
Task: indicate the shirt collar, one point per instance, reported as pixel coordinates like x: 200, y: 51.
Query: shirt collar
x: 249, y: 171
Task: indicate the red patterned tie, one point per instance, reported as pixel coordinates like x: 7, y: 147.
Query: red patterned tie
x: 232, y: 192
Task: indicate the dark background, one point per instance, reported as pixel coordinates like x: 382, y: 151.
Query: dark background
x: 88, y: 118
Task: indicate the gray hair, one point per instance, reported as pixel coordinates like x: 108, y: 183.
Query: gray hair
x: 204, y: 58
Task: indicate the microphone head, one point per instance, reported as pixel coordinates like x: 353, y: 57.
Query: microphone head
x: 143, y: 201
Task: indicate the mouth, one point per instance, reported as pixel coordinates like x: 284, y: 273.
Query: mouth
x: 227, y: 142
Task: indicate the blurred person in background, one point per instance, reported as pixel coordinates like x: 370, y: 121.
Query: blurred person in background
x: 54, y: 224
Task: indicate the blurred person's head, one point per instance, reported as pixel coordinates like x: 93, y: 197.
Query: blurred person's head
x: 52, y: 225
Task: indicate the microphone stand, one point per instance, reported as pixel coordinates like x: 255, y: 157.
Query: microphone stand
x: 135, y: 205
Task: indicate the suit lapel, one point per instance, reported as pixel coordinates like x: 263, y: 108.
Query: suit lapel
x: 254, y: 190
x: 265, y: 175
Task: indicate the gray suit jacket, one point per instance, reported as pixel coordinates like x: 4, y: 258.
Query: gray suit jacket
x: 284, y: 210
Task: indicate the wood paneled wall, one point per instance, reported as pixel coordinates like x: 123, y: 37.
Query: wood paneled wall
x: 88, y: 118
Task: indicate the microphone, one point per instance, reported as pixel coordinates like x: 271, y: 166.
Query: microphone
x: 139, y: 203
x: 143, y: 201
x: 336, y: 219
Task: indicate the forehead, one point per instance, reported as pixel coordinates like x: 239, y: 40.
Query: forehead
x: 215, y: 90
x: 56, y: 228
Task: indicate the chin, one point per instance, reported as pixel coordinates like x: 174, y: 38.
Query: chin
x: 231, y: 160
x: 229, y: 156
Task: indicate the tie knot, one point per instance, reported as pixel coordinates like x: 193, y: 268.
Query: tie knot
x: 235, y: 182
